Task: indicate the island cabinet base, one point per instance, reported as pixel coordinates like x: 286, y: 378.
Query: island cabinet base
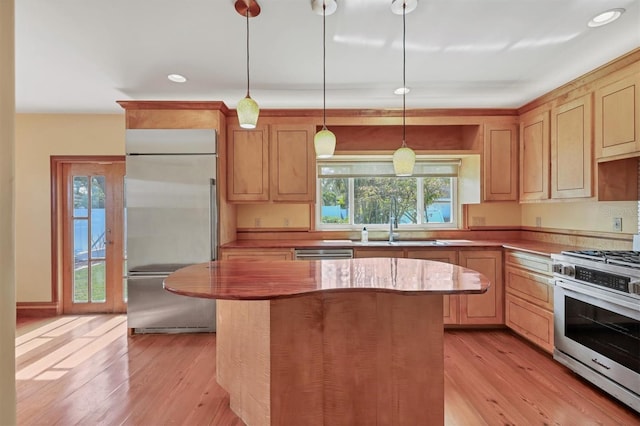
x: 340, y: 358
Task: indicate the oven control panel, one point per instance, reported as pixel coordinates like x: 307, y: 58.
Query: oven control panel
x: 604, y: 279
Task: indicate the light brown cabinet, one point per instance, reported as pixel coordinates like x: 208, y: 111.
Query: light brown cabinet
x: 500, y: 162
x: 274, y: 162
x: 248, y: 164
x: 487, y: 308
x: 292, y: 166
x: 571, y: 149
x: 450, y: 303
x: 256, y: 254
x: 617, y: 118
x: 529, y: 297
x: 534, y: 156
x: 372, y: 252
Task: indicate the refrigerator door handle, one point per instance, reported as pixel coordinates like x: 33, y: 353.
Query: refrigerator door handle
x: 213, y: 202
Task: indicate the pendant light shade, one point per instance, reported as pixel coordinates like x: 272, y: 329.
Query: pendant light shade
x: 404, y: 158
x: 403, y: 161
x: 324, y: 141
x: 247, y: 109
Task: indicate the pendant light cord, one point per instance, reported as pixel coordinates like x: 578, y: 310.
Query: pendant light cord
x: 404, y: 72
x: 247, y: 15
x: 324, y: 67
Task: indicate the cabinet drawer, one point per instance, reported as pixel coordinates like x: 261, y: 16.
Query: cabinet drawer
x: 536, y: 263
x: 532, y: 287
x: 530, y: 321
x: 254, y: 254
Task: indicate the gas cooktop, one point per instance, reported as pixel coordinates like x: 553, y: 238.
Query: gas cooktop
x: 614, y: 257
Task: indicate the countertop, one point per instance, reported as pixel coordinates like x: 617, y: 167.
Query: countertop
x: 536, y: 247
x: 256, y: 280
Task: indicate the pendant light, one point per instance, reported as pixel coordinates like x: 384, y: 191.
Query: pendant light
x: 324, y: 141
x: 404, y: 158
x: 247, y: 108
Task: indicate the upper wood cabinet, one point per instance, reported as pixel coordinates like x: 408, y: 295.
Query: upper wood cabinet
x: 273, y: 162
x: 248, y: 164
x: 534, y: 156
x: 617, y: 118
x: 500, y: 162
x: 571, y: 149
x: 292, y: 163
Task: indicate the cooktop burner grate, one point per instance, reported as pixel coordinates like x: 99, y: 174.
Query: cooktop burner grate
x: 617, y: 257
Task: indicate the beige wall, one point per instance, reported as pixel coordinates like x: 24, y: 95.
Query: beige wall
x: 583, y: 215
x: 7, y: 191
x: 495, y: 214
x: 38, y: 137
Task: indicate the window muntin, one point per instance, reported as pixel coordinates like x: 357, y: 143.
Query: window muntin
x: 350, y: 198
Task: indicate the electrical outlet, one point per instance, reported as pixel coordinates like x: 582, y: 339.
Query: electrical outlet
x: 617, y: 224
x: 538, y: 221
x: 286, y: 221
x: 257, y: 222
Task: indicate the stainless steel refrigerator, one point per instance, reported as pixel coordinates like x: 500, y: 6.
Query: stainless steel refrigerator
x: 171, y: 222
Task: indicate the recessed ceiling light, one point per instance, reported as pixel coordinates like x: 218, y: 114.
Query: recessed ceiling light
x: 396, y: 6
x: 331, y: 6
x: 177, y: 78
x: 605, y: 18
x: 402, y: 91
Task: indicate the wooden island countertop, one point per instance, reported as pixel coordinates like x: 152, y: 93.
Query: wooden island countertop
x: 261, y: 280
x: 330, y: 342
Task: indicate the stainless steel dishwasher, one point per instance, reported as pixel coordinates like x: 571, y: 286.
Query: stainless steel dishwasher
x: 320, y: 254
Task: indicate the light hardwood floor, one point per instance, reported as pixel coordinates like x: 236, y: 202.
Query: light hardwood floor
x: 85, y: 370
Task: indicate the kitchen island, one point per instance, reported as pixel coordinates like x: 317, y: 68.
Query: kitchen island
x: 330, y: 342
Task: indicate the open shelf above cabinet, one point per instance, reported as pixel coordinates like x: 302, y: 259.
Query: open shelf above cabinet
x: 422, y: 138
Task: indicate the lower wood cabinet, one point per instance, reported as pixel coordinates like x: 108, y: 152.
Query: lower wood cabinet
x: 487, y: 308
x: 451, y: 304
x: 529, y: 297
x: 373, y: 252
x: 256, y: 254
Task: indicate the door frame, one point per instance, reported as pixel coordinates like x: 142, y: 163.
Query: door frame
x: 57, y: 219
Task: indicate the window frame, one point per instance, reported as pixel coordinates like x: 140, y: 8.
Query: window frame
x: 455, y: 207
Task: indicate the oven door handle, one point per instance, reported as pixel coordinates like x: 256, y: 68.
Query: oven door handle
x: 584, y: 289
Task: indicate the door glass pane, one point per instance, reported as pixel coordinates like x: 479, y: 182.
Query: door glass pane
x: 98, y: 275
x: 98, y: 223
x: 81, y: 280
x: 80, y: 238
x: 80, y: 195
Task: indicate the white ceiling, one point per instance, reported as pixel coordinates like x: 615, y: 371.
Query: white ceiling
x: 83, y: 55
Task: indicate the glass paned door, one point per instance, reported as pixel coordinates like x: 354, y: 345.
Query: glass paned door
x: 94, y: 238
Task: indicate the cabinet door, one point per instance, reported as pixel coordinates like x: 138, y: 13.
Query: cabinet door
x: 530, y: 321
x: 617, y: 116
x: 248, y: 164
x: 450, y: 303
x: 486, y: 308
x: 292, y: 163
x: 372, y: 252
x: 500, y: 163
x: 571, y: 152
x: 534, y: 156
x: 256, y: 254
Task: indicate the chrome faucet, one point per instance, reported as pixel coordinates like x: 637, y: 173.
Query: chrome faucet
x: 393, y: 220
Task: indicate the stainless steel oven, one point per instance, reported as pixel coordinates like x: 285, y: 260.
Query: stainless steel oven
x: 597, y: 321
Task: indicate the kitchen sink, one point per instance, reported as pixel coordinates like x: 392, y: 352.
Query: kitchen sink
x: 403, y: 243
